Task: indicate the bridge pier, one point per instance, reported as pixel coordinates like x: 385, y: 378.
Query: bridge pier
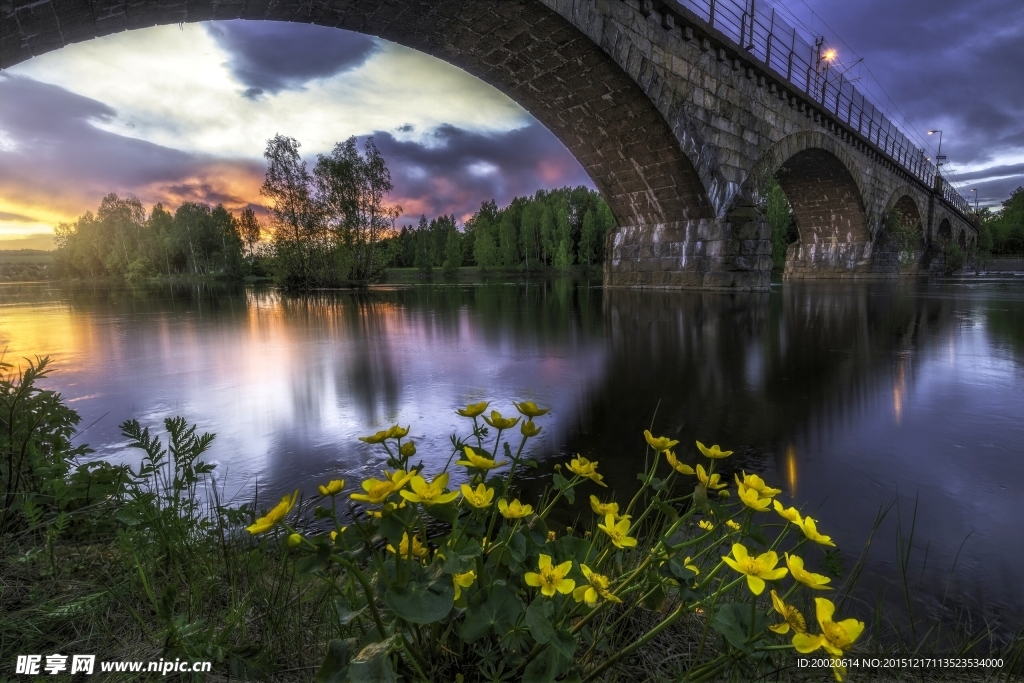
x: 732, y: 253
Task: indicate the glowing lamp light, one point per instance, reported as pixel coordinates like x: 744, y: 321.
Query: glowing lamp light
x: 829, y: 55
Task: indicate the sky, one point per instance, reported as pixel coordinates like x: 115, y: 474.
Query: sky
x: 174, y: 114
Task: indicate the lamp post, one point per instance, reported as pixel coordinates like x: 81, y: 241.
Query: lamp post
x: 975, y: 191
x: 939, y: 159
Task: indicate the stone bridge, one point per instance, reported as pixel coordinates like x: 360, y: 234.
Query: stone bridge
x: 678, y: 115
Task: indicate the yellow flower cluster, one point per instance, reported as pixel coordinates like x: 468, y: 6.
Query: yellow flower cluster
x: 585, y: 468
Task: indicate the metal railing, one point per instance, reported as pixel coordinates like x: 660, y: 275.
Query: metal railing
x: 756, y: 26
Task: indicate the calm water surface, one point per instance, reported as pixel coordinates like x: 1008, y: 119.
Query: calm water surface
x: 845, y: 396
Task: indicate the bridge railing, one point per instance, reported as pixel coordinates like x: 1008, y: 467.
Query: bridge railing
x: 758, y: 28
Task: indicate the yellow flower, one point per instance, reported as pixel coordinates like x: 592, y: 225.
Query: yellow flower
x: 713, y: 482
x: 267, y: 522
x: 598, y: 586
x: 429, y: 494
x: 835, y: 637
x: 379, y: 437
x: 681, y: 468
x: 334, y: 534
x: 618, y: 532
x: 499, y: 422
x: 529, y: 430
x: 334, y: 487
x: 417, y: 550
x: 397, y: 432
x: 294, y: 540
x: 605, y: 509
x: 514, y: 510
x: 732, y: 524
x: 659, y: 443
x: 407, y: 449
x: 753, y: 501
x: 464, y: 580
x: 551, y: 579
x: 480, y: 498
x: 473, y: 409
x: 810, y: 529
x: 585, y: 468
x: 530, y: 409
x: 809, y: 579
x: 378, y: 490
x: 706, y: 524
x: 756, y: 569
x: 478, y: 461
x: 689, y: 565
x: 752, y: 481
x: 714, y: 452
x: 789, y: 514
x: 792, y: 616
x: 551, y: 535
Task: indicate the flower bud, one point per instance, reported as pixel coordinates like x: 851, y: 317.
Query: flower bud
x: 724, y: 493
x: 294, y: 540
x: 407, y: 449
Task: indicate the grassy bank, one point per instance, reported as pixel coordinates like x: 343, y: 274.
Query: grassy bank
x: 404, y: 577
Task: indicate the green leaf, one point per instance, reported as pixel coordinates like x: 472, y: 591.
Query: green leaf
x: 517, y: 546
x: 538, y: 618
x: 312, y: 563
x: 372, y: 664
x: 495, y: 611
x: 667, y: 510
x: 733, y: 622
x: 756, y: 534
x: 346, y: 613
x: 420, y: 603
x: 656, y: 600
x: 674, y: 567
x: 445, y: 513
x: 546, y: 667
x: 564, y: 643
x: 335, y: 666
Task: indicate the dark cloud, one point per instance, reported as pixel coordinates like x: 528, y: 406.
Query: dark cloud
x: 947, y: 64
x: 454, y: 170
x: 271, y: 56
x: 61, y: 159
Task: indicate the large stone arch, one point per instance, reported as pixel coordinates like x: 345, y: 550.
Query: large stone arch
x: 825, y: 190
x: 590, y: 91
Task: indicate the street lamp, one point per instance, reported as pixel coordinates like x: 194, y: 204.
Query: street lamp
x: 939, y: 159
x: 975, y: 191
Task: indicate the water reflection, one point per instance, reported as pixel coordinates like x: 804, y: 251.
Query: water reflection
x: 844, y: 395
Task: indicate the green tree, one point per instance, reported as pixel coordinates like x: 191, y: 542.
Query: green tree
x: 294, y: 214
x: 508, y: 240
x: 780, y: 220
x: 249, y: 229
x: 547, y: 233
x: 351, y: 188
x: 529, y: 232
x: 485, y: 251
x: 589, y: 238
x: 453, y: 252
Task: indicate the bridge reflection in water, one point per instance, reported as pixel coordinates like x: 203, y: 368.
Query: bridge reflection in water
x: 843, y: 396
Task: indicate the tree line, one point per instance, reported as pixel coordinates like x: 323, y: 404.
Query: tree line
x: 1002, y: 234
x: 121, y: 241
x: 328, y: 227
x: 552, y: 229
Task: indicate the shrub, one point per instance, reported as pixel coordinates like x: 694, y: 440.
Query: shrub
x: 434, y: 582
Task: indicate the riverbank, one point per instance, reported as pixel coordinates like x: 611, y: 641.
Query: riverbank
x: 151, y: 564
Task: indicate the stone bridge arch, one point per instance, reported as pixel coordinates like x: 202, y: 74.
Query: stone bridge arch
x: 824, y: 186
x: 594, y: 100
x: 662, y: 109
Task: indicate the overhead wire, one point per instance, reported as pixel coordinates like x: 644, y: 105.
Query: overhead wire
x: 907, y: 125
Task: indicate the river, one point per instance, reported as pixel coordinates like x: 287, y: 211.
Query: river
x: 846, y: 396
